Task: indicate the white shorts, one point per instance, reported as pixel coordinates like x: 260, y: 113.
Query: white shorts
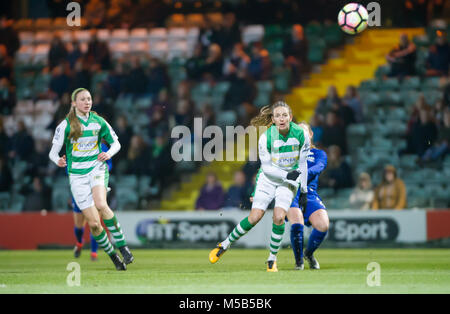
x: 266, y: 190
x: 81, y: 185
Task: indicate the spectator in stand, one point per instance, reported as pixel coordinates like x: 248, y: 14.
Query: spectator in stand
x: 157, y: 77
x: 5, y: 141
x: 237, y: 60
x: 81, y: 75
x: 211, y: 195
x: 184, y: 114
x: 161, y: 162
x: 338, y: 174
x: 194, y: 65
x: 317, y: 128
x: 236, y: 194
x: 6, y: 63
x: 402, y: 58
x: 60, y: 81
x: 441, y: 147
x: 438, y: 60
x: 74, y: 53
x: 37, y: 196
x: 334, y: 132
x: 295, y: 51
x: 7, y: 97
x: 351, y: 99
x: 100, y: 105
x: 260, y: 66
x: 98, y: 52
x: 58, y: 52
x: 95, y: 13
x: 158, y: 122
x: 116, y: 80
x: 344, y: 112
x: 242, y: 89
x: 8, y: 36
x: 362, y: 195
x: 391, y: 193
x: 125, y: 133
x: 138, y: 157
x: 208, y: 115
x: 6, y: 178
x: 229, y: 34
x: 22, y: 143
x: 423, y: 133
x: 214, y: 62
x: 136, y: 81
x: 325, y: 104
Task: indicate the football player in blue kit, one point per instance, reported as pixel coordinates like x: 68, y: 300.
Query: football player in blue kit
x: 314, y: 214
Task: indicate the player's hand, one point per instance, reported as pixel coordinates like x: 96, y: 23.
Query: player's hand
x: 251, y: 199
x: 62, y: 162
x: 103, y: 157
x: 293, y: 175
x: 303, y: 202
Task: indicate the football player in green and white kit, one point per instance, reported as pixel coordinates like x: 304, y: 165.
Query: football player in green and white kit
x: 283, y: 149
x: 82, y: 131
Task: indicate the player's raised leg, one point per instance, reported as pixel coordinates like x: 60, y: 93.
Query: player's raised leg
x: 320, y: 223
x: 111, y: 222
x: 244, y: 226
x: 93, y: 219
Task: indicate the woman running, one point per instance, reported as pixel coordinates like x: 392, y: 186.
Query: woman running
x: 82, y: 132
x: 283, y: 148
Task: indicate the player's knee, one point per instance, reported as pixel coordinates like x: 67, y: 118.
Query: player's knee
x: 322, y: 225
x: 278, y: 219
x: 94, y: 226
x: 101, y: 205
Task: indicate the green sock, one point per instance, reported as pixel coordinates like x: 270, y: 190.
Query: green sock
x: 276, y: 237
x: 241, y: 229
x: 104, y: 243
x: 115, y: 230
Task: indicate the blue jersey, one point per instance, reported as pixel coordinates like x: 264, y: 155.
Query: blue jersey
x: 317, y: 162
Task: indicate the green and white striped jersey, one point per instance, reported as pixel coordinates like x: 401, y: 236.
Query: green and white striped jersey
x: 81, y: 155
x: 281, y: 154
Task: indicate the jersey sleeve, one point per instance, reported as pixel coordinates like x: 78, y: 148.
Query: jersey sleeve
x: 319, y: 165
x: 266, y: 162
x: 303, y: 164
x: 108, y: 133
x: 57, y: 142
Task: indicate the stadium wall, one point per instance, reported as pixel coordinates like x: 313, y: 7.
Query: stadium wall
x: 188, y: 229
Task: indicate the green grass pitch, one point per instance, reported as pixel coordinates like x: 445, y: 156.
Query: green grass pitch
x: 239, y: 271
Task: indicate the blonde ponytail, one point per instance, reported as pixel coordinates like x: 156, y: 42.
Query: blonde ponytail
x: 75, y: 125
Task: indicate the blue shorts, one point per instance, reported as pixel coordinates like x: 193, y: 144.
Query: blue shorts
x: 314, y: 203
x: 75, y: 207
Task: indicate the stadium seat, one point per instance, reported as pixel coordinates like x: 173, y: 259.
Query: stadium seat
x: 127, y: 198
x: 157, y: 35
x: 411, y: 83
x: 282, y: 78
x: 26, y: 38
x: 159, y: 50
x: 195, y: 19
x: 389, y: 84
x: 60, y: 198
x: 138, y: 34
x: 16, y: 204
x: 82, y: 36
x: 5, y: 198
x: 226, y: 118
x: 252, y: 33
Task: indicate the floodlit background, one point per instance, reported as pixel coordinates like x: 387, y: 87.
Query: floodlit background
x: 378, y: 103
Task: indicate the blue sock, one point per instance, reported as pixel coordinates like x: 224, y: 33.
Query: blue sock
x: 94, y: 245
x: 297, y: 241
x: 79, y: 234
x: 315, y: 239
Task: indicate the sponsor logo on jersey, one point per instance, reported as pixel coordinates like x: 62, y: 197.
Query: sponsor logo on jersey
x: 85, y: 147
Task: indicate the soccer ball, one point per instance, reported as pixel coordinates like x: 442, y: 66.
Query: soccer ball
x: 353, y: 18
